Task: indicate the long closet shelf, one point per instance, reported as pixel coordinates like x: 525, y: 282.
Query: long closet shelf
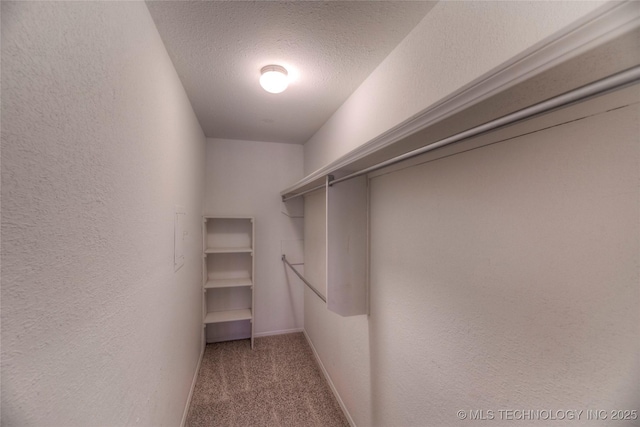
x: 227, y: 250
x: 228, y: 316
x: 227, y: 217
x: 228, y: 283
x: 482, y: 100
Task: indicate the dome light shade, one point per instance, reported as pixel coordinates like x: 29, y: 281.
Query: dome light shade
x: 274, y: 78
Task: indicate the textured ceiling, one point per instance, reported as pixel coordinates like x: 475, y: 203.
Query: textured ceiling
x: 329, y: 48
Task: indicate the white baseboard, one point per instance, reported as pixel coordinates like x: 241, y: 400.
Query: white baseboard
x: 331, y: 385
x: 193, y: 386
x: 280, y: 332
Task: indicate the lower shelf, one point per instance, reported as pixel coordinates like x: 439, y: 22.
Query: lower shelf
x: 228, y: 283
x: 228, y: 316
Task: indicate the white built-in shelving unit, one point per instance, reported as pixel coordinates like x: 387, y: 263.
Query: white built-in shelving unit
x: 228, y: 277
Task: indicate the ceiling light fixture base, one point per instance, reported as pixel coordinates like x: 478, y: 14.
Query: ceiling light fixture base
x: 274, y: 78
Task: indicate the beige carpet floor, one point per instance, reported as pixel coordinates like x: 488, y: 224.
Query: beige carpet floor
x: 278, y: 383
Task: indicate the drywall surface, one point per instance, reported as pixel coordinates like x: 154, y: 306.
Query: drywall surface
x: 315, y: 239
x: 342, y: 343
x: 501, y: 278
x: 99, y: 144
x: 244, y: 178
x: 455, y: 43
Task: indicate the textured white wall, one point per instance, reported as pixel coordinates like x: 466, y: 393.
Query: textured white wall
x: 505, y: 277
x: 342, y: 343
x: 454, y: 44
x: 315, y: 239
x: 99, y: 143
x: 244, y: 178
x: 517, y: 281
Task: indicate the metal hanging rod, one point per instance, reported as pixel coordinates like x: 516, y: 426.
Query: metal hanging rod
x: 284, y: 258
x: 607, y: 84
x: 302, y: 193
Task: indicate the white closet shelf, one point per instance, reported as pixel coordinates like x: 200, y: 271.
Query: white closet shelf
x: 228, y: 283
x: 227, y: 250
x: 228, y: 316
x: 602, y: 41
x: 227, y: 217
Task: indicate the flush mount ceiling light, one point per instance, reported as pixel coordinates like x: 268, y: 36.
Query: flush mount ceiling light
x: 274, y: 79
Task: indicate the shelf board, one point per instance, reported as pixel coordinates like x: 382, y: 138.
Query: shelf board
x: 227, y: 217
x: 482, y: 99
x: 228, y: 283
x: 227, y: 250
x: 228, y: 316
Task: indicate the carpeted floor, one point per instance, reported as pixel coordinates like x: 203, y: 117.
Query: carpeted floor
x: 278, y: 383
